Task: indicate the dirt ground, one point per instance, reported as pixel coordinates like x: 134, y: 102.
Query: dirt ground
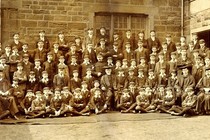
x: 111, y: 126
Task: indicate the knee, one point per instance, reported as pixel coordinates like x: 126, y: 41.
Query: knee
x: 137, y: 107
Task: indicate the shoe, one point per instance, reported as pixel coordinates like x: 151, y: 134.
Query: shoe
x: 15, y: 117
x: 139, y: 112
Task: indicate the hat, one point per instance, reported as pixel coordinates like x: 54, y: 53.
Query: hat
x: 41, y: 31
x: 38, y: 92
x: 25, y: 55
x: 46, y: 88
x: 115, y: 43
x: 131, y: 83
x: 57, y: 89
x: 126, y: 90
x: 107, y: 67
x: 124, y: 60
x: 49, y: 53
x: 190, y: 88
x: 77, y: 37
x: 61, y: 32
x: 115, y: 33
x: 152, y: 31
x: 109, y: 58
x: 61, y: 57
x: 65, y: 88
x: 201, y: 41
x: 31, y: 72
x: 37, y: 59
x: 29, y: 90
x: 19, y: 64
x: 173, y: 53
x: 178, y: 44
x: 168, y: 35
x: 150, y: 70
x: 75, y: 71
x: 96, y: 81
x: 102, y: 39
x: 141, y: 32
x: 152, y: 55
x: 140, y: 41
x: 15, y: 79
x: 127, y: 43
x: 77, y: 90
x: 185, y: 67
x: 140, y: 69
x: 44, y: 72
x: 196, y: 51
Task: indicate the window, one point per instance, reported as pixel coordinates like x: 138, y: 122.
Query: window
x: 121, y: 22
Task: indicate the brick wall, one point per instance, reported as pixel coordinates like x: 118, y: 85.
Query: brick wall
x: 73, y: 16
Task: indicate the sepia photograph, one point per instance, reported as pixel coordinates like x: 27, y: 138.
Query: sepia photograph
x: 105, y: 70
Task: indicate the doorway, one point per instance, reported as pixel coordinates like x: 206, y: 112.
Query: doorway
x: 206, y: 36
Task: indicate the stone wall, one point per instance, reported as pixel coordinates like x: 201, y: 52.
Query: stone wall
x: 73, y: 16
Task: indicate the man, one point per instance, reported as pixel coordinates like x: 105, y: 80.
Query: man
x: 38, y: 107
x: 107, y: 81
x: 98, y: 101
x: 50, y: 66
x: 21, y: 75
x: 203, y: 50
x: 75, y: 81
x: 27, y: 65
x: 102, y: 34
x: 202, y: 85
x: 62, y: 42
x: 40, y: 52
x: 153, y: 41
x: 55, y: 53
x: 27, y: 101
x: 7, y: 103
x: 79, y: 103
x: 141, y: 52
x: 168, y: 101
x: 56, y: 104
x: 197, y: 69
x: 195, y: 40
x: 60, y: 80
x: 161, y: 63
x: 171, y: 47
x: 183, y: 81
x: 128, y: 39
x: 16, y: 41
x: 98, y: 67
x: 141, y: 37
x: 117, y: 41
x: 128, y: 52
x: 45, y: 40
x: 90, y: 53
x: 126, y: 101
x: 188, y: 105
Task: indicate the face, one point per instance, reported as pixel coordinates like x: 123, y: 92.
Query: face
x: 100, y: 58
x: 141, y: 35
x: 57, y: 93
x: 207, y: 61
x: 168, y: 39
x: 37, y: 63
x: 8, y: 49
x: 41, y: 34
x: 152, y: 34
x: 151, y: 73
x: 49, y: 57
x: 16, y: 36
x: 142, y: 61
x: 55, y: 46
x: 185, y: 72
x: 88, y: 72
x: 61, y: 60
x: 118, y: 63
x: 40, y: 44
x: 133, y: 63
x: 90, y: 32
x: 75, y: 74
x: 61, y: 36
x: 77, y: 40
x: 20, y: 68
x: 102, y: 31
x: 154, y: 49
x: 182, y: 39
x: 96, y: 84
x: 1, y: 75
x: 131, y: 73
x: 169, y: 92
x: 161, y: 89
x: 45, y: 75
x: 38, y: 96
x: 84, y: 86
x: 108, y: 71
x: 31, y: 76
x: 202, y: 45
x: 140, y: 72
x: 102, y: 43
x: 140, y: 44
x: 184, y: 52
x: 25, y: 47
x: 194, y: 37
x: 74, y: 60
x: 128, y: 47
x: 128, y: 33
x: 207, y: 73
x: 89, y: 46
